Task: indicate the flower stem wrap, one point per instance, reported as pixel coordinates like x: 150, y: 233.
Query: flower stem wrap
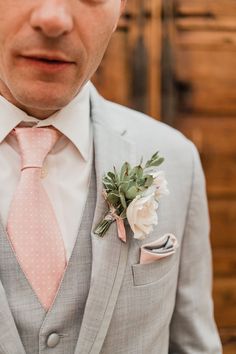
x: 109, y: 218
x: 104, y: 225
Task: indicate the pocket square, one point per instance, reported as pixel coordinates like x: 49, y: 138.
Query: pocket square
x: 161, y: 248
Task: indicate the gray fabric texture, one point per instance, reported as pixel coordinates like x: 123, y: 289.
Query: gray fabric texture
x: 159, y: 308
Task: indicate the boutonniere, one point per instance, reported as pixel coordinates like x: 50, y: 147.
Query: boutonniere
x: 133, y: 193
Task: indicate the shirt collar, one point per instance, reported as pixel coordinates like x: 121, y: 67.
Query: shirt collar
x: 73, y: 120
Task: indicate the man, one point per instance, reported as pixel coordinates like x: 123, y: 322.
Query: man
x: 64, y: 289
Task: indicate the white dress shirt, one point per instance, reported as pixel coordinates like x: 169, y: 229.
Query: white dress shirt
x: 67, y: 168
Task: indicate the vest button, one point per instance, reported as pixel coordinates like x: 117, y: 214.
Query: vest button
x: 53, y: 340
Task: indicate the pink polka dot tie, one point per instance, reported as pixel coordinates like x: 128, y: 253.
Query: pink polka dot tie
x: 32, y: 226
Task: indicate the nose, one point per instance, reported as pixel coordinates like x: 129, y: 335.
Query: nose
x: 52, y: 17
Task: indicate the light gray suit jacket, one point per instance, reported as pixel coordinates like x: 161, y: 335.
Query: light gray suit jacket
x: 158, y: 308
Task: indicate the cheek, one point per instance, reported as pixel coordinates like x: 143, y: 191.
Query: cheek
x: 9, y: 28
x: 94, y: 47
x: 4, y: 60
x: 102, y: 22
x: 98, y: 40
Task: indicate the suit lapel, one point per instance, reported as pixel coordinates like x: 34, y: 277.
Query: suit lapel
x: 109, y: 253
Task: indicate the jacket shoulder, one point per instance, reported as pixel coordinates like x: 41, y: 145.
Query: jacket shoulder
x: 141, y: 127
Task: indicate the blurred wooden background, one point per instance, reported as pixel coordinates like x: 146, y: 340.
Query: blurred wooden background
x: 176, y: 60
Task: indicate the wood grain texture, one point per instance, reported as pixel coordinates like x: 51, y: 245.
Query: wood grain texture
x: 210, y: 8
x: 228, y: 337
x: 224, y: 261
x: 212, y: 135
x: 130, y: 71
x: 223, y: 226
x: 205, y: 67
x: 215, y: 139
x: 203, y: 71
x: 206, y: 24
x: 225, y: 301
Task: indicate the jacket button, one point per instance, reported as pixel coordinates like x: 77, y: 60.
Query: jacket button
x: 53, y: 340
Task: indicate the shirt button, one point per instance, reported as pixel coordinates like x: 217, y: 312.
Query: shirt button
x: 53, y: 340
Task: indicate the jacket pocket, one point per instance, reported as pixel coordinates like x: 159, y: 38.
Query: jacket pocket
x: 144, y: 274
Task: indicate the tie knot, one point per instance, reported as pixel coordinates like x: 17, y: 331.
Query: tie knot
x: 35, y: 144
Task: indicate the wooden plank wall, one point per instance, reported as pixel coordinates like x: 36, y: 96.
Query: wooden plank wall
x: 204, y: 75
x: 131, y: 66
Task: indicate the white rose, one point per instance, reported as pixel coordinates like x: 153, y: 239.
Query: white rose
x: 142, y: 215
x: 159, y: 183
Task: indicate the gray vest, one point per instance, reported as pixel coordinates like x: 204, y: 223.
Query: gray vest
x: 56, y: 331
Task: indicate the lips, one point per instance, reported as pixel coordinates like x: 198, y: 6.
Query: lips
x: 49, y: 59
x: 47, y: 62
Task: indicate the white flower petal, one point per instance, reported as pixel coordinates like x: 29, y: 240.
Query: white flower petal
x: 142, y: 215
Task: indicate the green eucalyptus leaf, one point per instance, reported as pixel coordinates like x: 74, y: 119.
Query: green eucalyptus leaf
x: 123, y: 201
x: 160, y: 161
x: 132, y: 192
x: 107, y: 180
x: 122, y: 171
x: 149, y: 162
x: 109, y: 185
x: 137, y: 172
x: 148, y: 181
x: 124, y: 186
x: 125, y: 169
x: 121, y: 188
x: 112, y: 176
x: 155, y: 160
x: 113, y: 198
x: 125, y: 180
x: 141, y: 181
x: 117, y: 178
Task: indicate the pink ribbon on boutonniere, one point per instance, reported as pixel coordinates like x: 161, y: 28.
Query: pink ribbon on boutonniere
x: 119, y: 221
x: 121, y: 229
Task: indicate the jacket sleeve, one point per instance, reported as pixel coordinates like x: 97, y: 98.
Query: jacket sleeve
x: 193, y: 329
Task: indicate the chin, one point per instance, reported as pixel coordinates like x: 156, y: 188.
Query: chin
x: 46, y: 100
x: 47, y: 103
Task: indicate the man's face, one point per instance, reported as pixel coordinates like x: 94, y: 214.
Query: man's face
x: 50, y: 48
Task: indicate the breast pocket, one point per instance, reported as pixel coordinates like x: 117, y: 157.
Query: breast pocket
x: 144, y: 274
